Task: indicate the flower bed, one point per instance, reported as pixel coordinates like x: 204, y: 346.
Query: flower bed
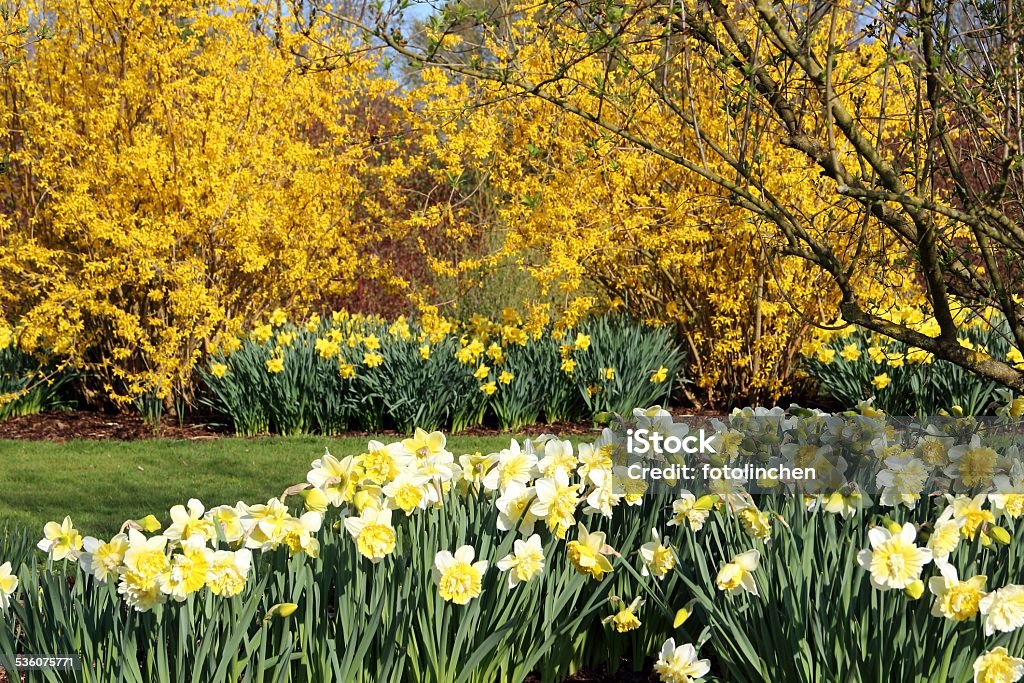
x: 411, y: 563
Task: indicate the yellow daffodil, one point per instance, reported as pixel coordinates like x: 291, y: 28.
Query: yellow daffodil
x: 8, y: 584
x: 997, y: 666
x: 1003, y: 609
x: 60, y: 541
x: 893, y: 560
x: 658, y: 558
x: 739, y: 574
x: 373, y: 533
x: 955, y: 599
x: 525, y: 561
x: 457, y: 577
x: 588, y: 553
x: 680, y: 664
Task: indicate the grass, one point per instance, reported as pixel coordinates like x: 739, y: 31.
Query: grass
x: 102, y: 483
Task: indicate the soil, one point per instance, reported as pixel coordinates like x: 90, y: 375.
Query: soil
x: 84, y: 424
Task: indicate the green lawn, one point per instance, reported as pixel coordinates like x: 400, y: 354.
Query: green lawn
x: 102, y: 483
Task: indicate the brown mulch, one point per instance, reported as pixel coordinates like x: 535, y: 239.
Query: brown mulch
x: 95, y: 425
x: 84, y: 424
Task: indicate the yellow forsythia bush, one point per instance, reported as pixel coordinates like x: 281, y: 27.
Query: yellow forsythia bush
x: 594, y: 218
x: 172, y: 172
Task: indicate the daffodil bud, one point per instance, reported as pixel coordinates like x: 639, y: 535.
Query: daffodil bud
x: 316, y: 500
x: 1000, y: 535
x: 282, y: 610
x: 915, y: 590
x: 705, y: 502
x: 893, y: 527
x: 149, y: 524
x: 683, y: 614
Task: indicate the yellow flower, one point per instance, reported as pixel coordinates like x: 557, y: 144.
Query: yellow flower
x: 481, y: 372
x: 425, y: 351
x: 285, y: 338
x: 150, y: 524
x: 315, y: 500
x: 218, y: 370
x: 8, y: 584
x: 881, y: 381
x: 588, y: 553
x: 1014, y: 356
x: 327, y: 349
x: 659, y: 375
x: 608, y: 373
x: 373, y: 533
x: 850, y: 352
x: 228, y: 571
x: 625, y: 619
x: 893, y: 560
x: 275, y: 365
x: 506, y: 377
x: 556, y: 502
x: 568, y: 366
x: 187, y: 522
x: 826, y: 355
x: 457, y: 577
x: 739, y: 574
x: 1003, y: 609
x: 282, y: 610
x: 278, y: 317
x: 525, y: 562
x: 972, y: 516
x: 371, y: 342
x: 997, y: 666
x: 658, y: 558
x: 915, y: 590
x: 187, y: 570
x: 347, y: 370
x: 955, y: 599
x: 489, y: 388
x: 60, y: 541
x: 755, y: 523
x: 876, y: 354
x: 582, y: 342
x: 680, y: 664
x: 103, y: 560
x: 263, y: 333
x: 372, y: 359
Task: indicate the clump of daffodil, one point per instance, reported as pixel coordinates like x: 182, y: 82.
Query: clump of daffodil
x: 955, y: 599
x: 1003, y: 609
x: 588, y: 553
x: 457, y: 577
x: 60, y: 541
x: 680, y: 664
x: 373, y: 533
x: 524, y: 562
x: 625, y: 619
x: 658, y: 558
x: 8, y: 584
x: 893, y: 560
x: 997, y: 666
x: 739, y: 574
